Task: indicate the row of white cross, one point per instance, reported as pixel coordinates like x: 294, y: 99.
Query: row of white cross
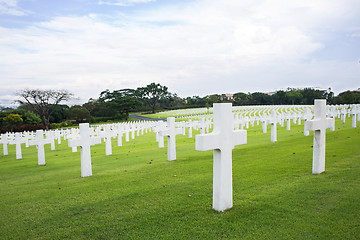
x: 222, y: 140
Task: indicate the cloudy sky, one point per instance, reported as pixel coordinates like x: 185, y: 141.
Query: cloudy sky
x: 195, y: 47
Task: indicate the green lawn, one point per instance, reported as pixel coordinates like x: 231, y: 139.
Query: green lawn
x: 137, y: 194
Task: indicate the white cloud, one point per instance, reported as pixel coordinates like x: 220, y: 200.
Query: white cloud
x: 9, y: 7
x: 123, y: 2
x: 205, y: 47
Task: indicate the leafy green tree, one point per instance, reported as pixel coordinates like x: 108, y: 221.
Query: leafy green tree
x: 78, y: 113
x: 310, y: 94
x: 12, y: 120
x: 214, y: 98
x: 295, y: 96
x: 59, y: 113
x: 259, y: 98
x: 348, y: 97
x: 241, y: 99
x: 99, y: 108
x: 195, y: 101
x: 152, y: 94
x: 121, y: 101
x: 171, y: 100
x: 280, y: 98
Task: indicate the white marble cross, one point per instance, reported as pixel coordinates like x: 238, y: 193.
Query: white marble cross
x: 264, y: 121
x: 27, y: 136
x: 39, y: 142
x: 307, y: 116
x: 127, y: 132
x: 288, y: 122
x: 120, y: 132
x: 57, y: 135
x: 4, y: 141
x: 273, y: 120
x: 202, y: 125
x: 222, y: 140
x: 353, y: 113
x: 190, y: 125
x: 319, y: 125
x: 50, y: 135
x: 85, y: 141
x: 171, y: 132
x: 107, y: 134
x: 160, y: 126
x: 18, y: 141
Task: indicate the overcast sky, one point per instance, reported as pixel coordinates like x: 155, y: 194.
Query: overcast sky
x: 195, y: 47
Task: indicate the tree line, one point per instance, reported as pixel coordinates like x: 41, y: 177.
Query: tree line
x: 43, y: 108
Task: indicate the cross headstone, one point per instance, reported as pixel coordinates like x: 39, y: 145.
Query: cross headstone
x: 127, y: 131
x: 273, y: 124
x: 343, y: 114
x: 288, y: 123
x: 202, y: 126
x: 307, y: 116
x: 50, y: 135
x: 319, y: 125
x: 18, y: 141
x: 190, y: 126
x: 57, y: 135
x: 107, y: 134
x: 264, y: 122
x: 4, y: 141
x: 160, y: 125
x: 171, y: 132
x: 85, y: 141
x: 353, y: 113
x: 27, y: 136
x: 120, y: 133
x: 39, y: 142
x: 222, y: 140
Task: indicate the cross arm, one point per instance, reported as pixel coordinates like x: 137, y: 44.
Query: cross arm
x: 206, y: 142
x: 95, y: 140
x: 74, y: 142
x: 330, y: 123
x: 239, y: 137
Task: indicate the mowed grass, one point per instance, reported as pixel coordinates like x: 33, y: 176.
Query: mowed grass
x: 137, y: 194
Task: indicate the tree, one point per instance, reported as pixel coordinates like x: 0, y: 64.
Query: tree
x: 348, y: 97
x: 152, y: 93
x: 279, y: 98
x: 310, y: 94
x: 241, y: 98
x: 214, y: 98
x: 259, y: 98
x: 43, y: 102
x: 12, y: 120
x: 98, y: 108
x: 295, y: 96
x: 59, y: 114
x: 120, y: 101
x: 78, y: 113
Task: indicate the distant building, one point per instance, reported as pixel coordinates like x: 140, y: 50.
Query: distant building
x: 229, y: 96
x: 270, y: 93
x: 358, y: 90
x: 226, y: 96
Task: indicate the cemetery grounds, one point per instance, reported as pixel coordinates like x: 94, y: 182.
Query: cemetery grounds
x: 135, y: 193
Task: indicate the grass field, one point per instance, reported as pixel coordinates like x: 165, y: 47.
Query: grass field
x: 137, y: 194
